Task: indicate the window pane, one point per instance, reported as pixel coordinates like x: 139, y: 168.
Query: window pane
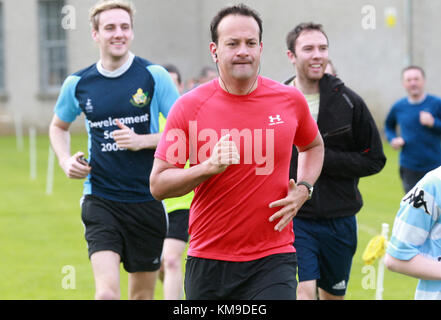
x: 53, y: 62
x: 57, y: 69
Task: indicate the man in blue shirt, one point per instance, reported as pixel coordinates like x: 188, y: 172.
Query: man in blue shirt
x: 415, y: 246
x: 419, y: 117
x: 121, y: 97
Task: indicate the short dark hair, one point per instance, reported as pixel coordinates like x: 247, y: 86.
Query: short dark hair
x: 411, y: 67
x: 240, y: 9
x: 292, y: 36
x: 173, y: 69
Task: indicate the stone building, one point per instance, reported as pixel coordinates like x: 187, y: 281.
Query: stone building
x: 42, y: 41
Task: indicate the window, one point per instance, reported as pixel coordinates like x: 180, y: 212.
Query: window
x: 2, y: 63
x: 53, y: 55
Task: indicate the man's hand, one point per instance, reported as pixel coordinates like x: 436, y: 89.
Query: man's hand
x: 75, y: 167
x: 426, y: 119
x: 297, y: 195
x: 397, y: 143
x: 126, y: 138
x: 224, y: 154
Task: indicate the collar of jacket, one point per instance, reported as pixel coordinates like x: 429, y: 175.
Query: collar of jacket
x: 331, y: 88
x: 327, y: 83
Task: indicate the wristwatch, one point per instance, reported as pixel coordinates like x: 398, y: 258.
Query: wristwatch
x: 307, y: 185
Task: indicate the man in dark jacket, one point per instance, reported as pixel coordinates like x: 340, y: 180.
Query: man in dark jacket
x: 325, y: 227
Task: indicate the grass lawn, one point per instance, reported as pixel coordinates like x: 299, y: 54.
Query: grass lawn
x: 44, y: 254
x: 382, y: 194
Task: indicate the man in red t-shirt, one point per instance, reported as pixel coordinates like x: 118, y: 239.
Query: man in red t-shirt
x: 237, y: 131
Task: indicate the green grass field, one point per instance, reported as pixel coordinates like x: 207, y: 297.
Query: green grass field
x: 44, y: 254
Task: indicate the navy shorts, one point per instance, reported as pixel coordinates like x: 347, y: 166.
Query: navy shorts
x: 178, y: 225
x: 135, y: 231
x: 325, y: 248
x: 269, y: 278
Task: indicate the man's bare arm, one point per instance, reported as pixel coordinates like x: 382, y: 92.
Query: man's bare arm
x: 418, y: 267
x: 128, y: 139
x: 310, y: 164
x: 168, y: 181
x: 59, y: 136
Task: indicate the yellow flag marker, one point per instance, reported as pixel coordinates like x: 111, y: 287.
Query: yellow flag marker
x: 375, y: 249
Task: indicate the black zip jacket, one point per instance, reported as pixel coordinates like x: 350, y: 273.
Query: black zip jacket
x: 353, y: 149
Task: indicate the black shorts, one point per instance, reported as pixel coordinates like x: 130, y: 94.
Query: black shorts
x: 135, y: 231
x: 178, y: 225
x: 269, y: 278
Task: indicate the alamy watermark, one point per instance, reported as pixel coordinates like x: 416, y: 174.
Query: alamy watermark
x: 369, y: 281
x: 257, y: 146
x: 369, y: 17
x: 68, y: 282
x: 69, y: 19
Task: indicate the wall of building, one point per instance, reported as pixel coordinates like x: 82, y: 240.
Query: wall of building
x: 368, y: 54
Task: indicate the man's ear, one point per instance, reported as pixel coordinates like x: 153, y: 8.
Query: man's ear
x: 291, y: 56
x: 95, y: 35
x: 213, y: 50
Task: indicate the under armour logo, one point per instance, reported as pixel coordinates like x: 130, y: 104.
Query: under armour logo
x: 275, y: 120
x: 277, y: 117
x: 417, y: 200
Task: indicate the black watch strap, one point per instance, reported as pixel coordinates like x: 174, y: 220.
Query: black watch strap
x: 307, y: 185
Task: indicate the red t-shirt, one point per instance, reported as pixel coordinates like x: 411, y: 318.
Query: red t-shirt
x: 229, y: 213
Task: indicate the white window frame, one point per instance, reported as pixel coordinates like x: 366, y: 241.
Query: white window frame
x: 52, y: 38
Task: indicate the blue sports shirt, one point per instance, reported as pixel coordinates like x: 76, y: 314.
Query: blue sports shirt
x: 422, y: 148
x: 417, y: 229
x: 134, y: 94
